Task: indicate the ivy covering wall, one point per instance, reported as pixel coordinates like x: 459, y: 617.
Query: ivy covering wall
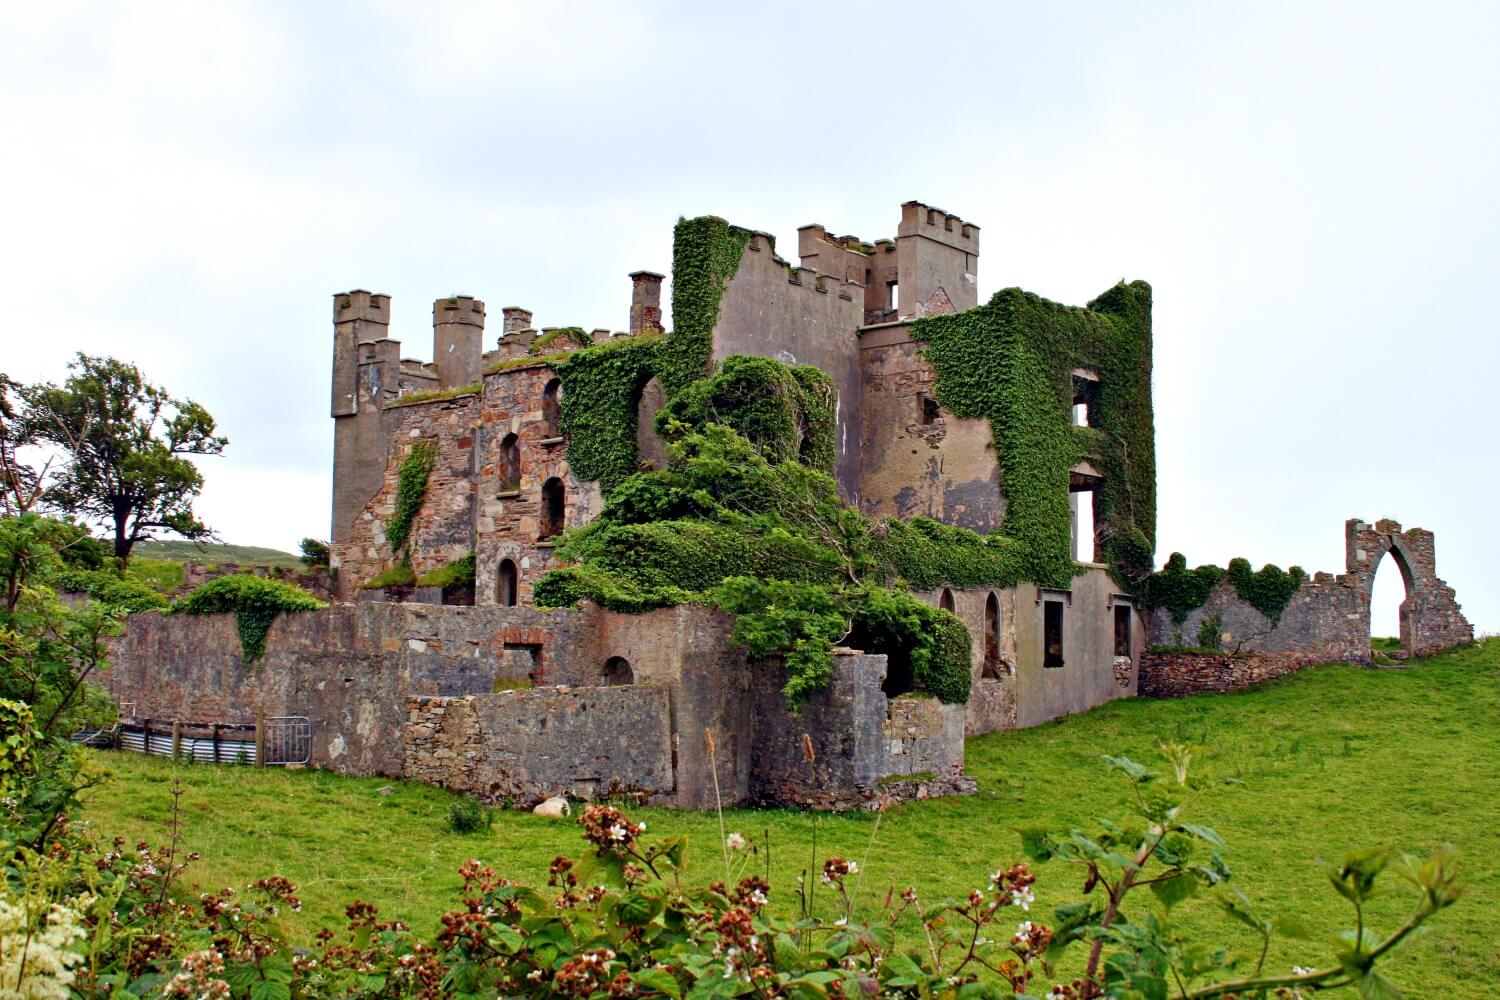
x: 1181, y: 590
x: 1011, y: 362
x: 255, y: 602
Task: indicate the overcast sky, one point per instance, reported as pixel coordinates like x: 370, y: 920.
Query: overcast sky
x: 1310, y: 189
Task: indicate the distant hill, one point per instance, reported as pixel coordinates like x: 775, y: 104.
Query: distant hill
x: 215, y: 553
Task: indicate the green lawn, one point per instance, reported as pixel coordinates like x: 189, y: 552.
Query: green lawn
x: 1332, y: 759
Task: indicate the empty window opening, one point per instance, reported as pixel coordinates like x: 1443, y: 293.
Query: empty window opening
x: 1082, y: 505
x: 509, y: 579
x: 893, y: 293
x: 617, y: 672
x: 945, y: 601
x: 991, y: 666
x: 510, y: 464
x: 1085, y: 398
x: 553, y: 498
x: 1122, y: 630
x: 931, y: 411
x: 1052, y: 633
x: 520, y: 668
x: 552, y: 409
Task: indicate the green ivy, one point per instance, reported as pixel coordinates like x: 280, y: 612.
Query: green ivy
x: 706, y: 253
x: 411, y: 488
x: 1181, y: 590
x: 1011, y: 362
x: 785, y: 411
x: 1269, y: 590
x: 255, y: 602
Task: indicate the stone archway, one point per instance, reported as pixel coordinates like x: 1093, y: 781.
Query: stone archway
x: 1431, y: 619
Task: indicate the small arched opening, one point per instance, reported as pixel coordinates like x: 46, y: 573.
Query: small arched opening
x: 945, y: 601
x: 650, y: 449
x: 508, y: 592
x: 510, y: 464
x: 552, y: 409
x: 1392, y: 611
x: 617, y: 672
x: 553, y: 505
x: 991, y: 667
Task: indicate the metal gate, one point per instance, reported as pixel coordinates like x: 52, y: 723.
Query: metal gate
x: 288, y: 739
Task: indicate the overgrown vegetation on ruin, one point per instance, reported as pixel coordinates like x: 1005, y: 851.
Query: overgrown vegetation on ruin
x: 769, y: 542
x: 1181, y: 590
x: 1011, y: 362
x: 255, y: 602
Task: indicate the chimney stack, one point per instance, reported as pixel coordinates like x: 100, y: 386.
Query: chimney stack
x: 645, y: 301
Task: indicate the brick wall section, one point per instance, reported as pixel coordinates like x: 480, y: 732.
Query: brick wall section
x: 508, y: 521
x: 1180, y: 675
x: 442, y: 531
x: 529, y: 745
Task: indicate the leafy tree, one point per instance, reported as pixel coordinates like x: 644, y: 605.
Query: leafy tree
x: 314, y: 552
x: 123, y: 442
x: 20, y: 483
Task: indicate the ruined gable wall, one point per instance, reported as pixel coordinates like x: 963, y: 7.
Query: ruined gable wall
x: 800, y: 317
x: 442, y: 531
x: 947, y: 469
x: 508, y: 521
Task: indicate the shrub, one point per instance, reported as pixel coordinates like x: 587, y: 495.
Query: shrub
x: 126, y: 593
x: 1211, y: 632
x: 255, y: 603
x: 468, y: 815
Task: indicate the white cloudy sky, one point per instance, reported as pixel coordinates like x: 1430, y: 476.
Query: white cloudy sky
x: 1310, y: 188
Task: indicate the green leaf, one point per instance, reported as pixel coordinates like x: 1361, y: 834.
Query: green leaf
x: 658, y: 980
x: 902, y: 970
x: 1036, y: 842
x: 1203, y: 833
x: 1373, y: 986
x: 1174, y: 890
x: 269, y: 989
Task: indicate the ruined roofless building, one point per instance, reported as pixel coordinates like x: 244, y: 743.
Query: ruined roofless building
x: 1021, y: 419
x: 503, y: 485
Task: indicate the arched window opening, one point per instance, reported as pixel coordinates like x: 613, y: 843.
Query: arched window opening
x: 651, y: 450
x: 1391, y: 627
x: 945, y: 601
x: 510, y: 464
x: 617, y: 672
x: 508, y: 591
x: 991, y: 666
x: 552, y: 409
x: 552, y: 508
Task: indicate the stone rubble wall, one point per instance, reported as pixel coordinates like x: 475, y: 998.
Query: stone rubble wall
x: 1327, y: 620
x: 526, y: 746
x: 1180, y: 675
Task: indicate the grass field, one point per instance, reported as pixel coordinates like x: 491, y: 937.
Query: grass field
x: 1332, y: 759
x: 215, y: 553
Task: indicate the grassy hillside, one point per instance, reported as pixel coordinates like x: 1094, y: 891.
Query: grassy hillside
x: 1332, y: 759
x: 181, y: 550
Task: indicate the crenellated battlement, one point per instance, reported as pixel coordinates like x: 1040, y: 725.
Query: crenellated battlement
x: 359, y: 304
x: 918, y: 219
x: 463, y: 309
